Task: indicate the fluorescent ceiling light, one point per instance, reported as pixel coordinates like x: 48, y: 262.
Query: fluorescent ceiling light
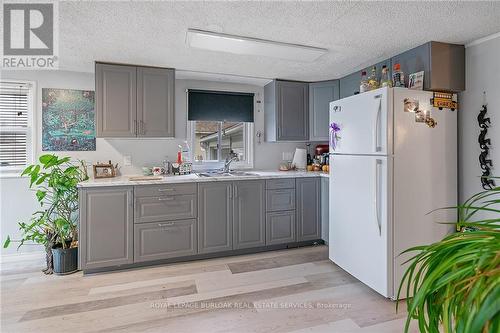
x: 212, y: 41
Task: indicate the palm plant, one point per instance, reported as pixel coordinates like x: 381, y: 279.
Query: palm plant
x: 455, y: 283
x: 55, y: 224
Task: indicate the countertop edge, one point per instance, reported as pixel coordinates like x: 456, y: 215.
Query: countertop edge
x: 193, y: 178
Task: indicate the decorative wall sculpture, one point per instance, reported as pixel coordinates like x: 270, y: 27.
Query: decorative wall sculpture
x: 484, y: 144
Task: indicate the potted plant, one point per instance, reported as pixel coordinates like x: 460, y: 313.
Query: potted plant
x: 454, y: 285
x: 54, y: 180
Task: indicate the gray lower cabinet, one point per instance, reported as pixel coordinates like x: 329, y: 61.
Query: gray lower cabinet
x: 278, y: 200
x: 162, y: 208
x: 308, y: 209
x: 106, y: 228
x: 286, y: 105
x: 280, y: 227
x: 249, y: 221
x: 163, y: 240
x: 116, y: 100
x: 155, y: 102
x: 320, y: 96
x: 215, y: 222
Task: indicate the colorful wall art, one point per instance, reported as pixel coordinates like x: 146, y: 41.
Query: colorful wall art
x: 68, y: 120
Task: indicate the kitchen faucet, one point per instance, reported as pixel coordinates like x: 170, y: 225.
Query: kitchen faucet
x: 229, y: 159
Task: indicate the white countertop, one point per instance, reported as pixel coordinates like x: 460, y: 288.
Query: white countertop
x: 125, y: 181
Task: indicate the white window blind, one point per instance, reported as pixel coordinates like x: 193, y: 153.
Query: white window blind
x: 15, y: 125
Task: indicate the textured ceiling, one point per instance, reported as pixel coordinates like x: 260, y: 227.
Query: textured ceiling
x: 356, y: 34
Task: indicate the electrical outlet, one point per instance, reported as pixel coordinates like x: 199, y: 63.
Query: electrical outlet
x: 127, y: 160
x: 287, y: 156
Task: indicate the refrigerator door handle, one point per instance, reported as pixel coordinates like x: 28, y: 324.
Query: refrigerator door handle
x: 376, y: 127
x: 378, y: 162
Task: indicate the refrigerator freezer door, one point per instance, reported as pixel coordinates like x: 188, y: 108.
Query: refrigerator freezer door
x: 359, y: 228
x: 364, y: 122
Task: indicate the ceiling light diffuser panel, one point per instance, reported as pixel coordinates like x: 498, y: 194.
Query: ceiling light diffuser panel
x: 212, y: 41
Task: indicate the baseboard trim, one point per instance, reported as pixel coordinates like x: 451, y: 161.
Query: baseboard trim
x: 13, y: 257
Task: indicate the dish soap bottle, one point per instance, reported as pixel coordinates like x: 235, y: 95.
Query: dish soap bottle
x: 385, y: 81
x: 372, y: 79
x: 363, y: 86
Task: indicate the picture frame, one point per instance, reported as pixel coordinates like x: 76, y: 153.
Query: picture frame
x: 416, y: 81
x: 104, y: 170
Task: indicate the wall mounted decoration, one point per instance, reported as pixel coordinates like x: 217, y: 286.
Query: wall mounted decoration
x: 484, y: 144
x: 68, y: 120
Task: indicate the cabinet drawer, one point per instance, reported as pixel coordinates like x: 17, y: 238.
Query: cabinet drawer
x: 280, y: 227
x: 278, y: 200
x: 172, y: 207
x: 162, y: 240
x: 167, y: 189
x: 276, y: 184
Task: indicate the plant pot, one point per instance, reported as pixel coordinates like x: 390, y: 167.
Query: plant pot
x: 65, y: 260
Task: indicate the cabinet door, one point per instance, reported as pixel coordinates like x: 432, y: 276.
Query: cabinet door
x: 320, y: 96
x: 248, y: 214
x: 116, y: 100
x: 308, y: 209
x: 162, y: 240
x: 280, y: 227
x: 215, y: 225
x: 292, y: 111
x: 106, y: 227
x: 155, y: 102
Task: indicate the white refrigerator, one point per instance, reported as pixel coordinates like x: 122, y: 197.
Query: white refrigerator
x: 387, y: 172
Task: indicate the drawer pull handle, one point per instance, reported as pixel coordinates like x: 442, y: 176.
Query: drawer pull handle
x: 165, y: 189
x: 166, y: 199
x: 165, y: 224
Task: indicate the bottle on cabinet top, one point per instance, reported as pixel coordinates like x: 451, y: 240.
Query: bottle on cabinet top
x: 398, y: 77
x: 372, y: 79
x: 363, y: 86
x: 385, y: 81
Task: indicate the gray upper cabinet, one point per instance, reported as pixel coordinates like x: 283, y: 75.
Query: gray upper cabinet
x: 134, y: 101
x: 215, y: 224
x: 249, y: 221
x: 308, y: 209
x: 286, y: 105
x: 320, y: 96
x: 443, y: 65
x: 155, y: 102
x: 349, y: 85
x: 107, y: 239
x: 116, y: 100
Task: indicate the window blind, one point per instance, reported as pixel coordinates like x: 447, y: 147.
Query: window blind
x: 14, y: 124
x: 220, y: 106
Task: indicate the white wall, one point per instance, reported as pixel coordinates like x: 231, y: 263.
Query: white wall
x: 17, y: 202
x: 482, y: 75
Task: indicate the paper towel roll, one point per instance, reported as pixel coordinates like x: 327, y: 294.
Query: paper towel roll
x: 300, y: 158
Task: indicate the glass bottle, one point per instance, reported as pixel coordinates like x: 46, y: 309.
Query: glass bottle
x: 363, y: 86
x: 398, y: 76
x: 385, y: 81
x: 372, y: 79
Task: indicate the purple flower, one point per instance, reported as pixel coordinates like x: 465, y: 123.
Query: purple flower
x: 334, y: 137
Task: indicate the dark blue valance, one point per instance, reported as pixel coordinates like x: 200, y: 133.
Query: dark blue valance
x: 220, y: 106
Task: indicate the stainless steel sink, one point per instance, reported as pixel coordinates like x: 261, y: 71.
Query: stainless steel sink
x: 226, y: 174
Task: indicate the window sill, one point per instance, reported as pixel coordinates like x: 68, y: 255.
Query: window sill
x: 11, y: 174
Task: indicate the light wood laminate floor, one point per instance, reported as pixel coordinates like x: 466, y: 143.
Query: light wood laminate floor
x: 295, y: 290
